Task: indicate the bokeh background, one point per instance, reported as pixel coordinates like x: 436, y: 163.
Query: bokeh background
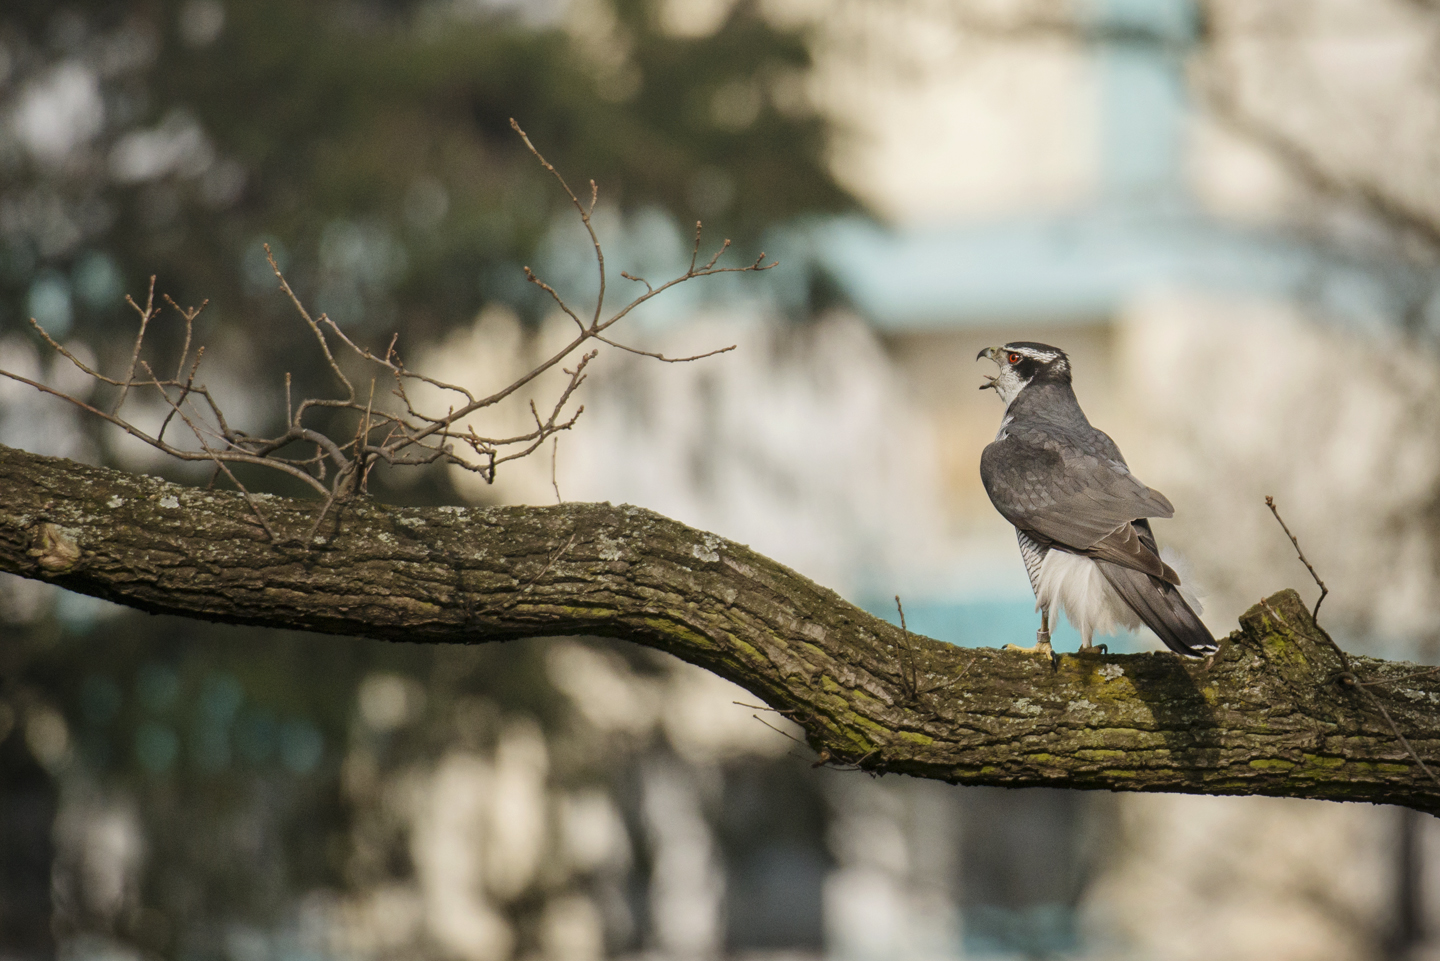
x: 1225, y: 211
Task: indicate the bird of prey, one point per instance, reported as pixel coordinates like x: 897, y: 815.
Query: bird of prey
x: 1081, y: 517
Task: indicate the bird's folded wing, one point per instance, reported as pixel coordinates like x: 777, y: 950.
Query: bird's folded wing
x: 1129, y: 547
x: 1069, y: 496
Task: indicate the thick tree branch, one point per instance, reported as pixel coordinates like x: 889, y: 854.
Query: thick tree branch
x: 1269, y: 716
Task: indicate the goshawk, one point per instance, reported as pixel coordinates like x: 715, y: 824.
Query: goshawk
x: 1080, y: 515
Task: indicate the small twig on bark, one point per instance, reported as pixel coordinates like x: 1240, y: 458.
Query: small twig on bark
x: 1350, y: 682
x: 1403, y: 677
x: 146, y: 315
x: 311, y: 539
x: 1347, y: 678
x: 1375, y: 701
x: 520, y: 594
x: 554, y: 456
x: 910, y: 673
x: 249, y: 500
x: 765, y: 707
x: 858, y: 764
x: 908, y: 681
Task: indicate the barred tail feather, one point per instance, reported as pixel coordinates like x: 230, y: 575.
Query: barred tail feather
x: 1163, y: 609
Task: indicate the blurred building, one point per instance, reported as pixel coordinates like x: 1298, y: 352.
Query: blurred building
x: 1059, y: 187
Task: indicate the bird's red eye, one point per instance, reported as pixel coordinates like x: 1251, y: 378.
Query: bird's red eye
x: 1013, y: 357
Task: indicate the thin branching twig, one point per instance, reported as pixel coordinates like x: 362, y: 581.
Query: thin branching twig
x: 778, y: 731
x: 334, y: 455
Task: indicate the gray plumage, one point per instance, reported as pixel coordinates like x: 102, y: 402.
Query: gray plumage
x: 1066, y: 487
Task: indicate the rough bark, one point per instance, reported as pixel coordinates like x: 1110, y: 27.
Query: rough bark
x: 1269, y: 715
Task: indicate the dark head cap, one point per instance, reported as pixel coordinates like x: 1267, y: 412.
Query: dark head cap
x: 1036, y: 363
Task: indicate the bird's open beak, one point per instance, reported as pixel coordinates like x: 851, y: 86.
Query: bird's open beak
x: 990, y: 353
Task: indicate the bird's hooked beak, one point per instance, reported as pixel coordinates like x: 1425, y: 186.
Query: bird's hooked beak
x: 988, y: 352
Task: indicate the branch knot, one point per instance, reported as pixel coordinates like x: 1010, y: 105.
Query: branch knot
x: 54, y: 549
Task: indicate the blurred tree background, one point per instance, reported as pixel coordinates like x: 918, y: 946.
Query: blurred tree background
x: 368, y: 143
x: 174, y: 789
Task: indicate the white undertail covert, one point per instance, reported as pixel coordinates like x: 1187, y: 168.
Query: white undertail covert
x: 1073, y: 582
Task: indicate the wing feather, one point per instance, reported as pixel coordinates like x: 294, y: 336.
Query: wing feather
x: 1065, y: 494
x: 1128, y: 547
x: 1160, y: 604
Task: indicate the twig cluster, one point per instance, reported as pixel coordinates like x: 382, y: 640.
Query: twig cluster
x: 395, y: 431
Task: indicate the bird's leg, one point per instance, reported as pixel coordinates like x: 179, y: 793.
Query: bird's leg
x: 1042, y: 638
x: 1086, y: 647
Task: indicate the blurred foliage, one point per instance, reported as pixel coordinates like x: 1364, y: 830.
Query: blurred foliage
x: 272, y: 777
x: 369, y: 143
x: 227, y: 745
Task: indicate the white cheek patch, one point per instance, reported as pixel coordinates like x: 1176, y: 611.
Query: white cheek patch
x: 1008, y: 385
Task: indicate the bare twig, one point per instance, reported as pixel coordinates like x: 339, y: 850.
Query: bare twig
x: 530, y: 276
x: 249, y: 499
x: 1379, y: 682
x: 764, y: 707
x: 858, y: 764
x: 638, y: 280
x: 189, y: 316
x: 1315, y: 615
x: 1409, y: 749
x: 778, y: 731
x: 520, y: 594
x: 584, y: 215
x: 554, y: 456
x: 314, y: 327
x: 661, y: 357
x: 908, y: 680
x: 220, y: 465
x: 146, y: 315
x: 910, y: 673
